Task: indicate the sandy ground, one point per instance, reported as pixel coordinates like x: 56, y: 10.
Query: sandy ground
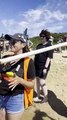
x: 56, y: 107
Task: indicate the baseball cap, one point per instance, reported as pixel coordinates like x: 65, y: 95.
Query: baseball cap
x: 15, y: 37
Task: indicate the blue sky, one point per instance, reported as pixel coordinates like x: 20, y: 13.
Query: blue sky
x: 16, y: 15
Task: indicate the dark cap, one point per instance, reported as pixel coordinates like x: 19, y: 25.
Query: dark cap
x: 16, y: 37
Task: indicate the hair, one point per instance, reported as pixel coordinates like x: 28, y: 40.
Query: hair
x: 25, y: 49
x: 45, y: 33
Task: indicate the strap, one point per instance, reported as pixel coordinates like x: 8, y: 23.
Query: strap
x: 26, y: 63
x: 28, y: 93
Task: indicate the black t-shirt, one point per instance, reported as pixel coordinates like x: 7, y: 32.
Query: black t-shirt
x: 40, y: 59
x: 4, y: 89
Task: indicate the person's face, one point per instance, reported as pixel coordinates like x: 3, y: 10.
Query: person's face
x: 16, y: 47
x: 43, y: 38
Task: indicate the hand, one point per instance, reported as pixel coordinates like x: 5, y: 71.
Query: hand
x: 0, y: 81
x: 44, y: 71
x: 14, y: 82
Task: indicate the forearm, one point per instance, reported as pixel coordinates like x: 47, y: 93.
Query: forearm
x: 29, y: 83
x: 18, y: 80
x: 47, y: 62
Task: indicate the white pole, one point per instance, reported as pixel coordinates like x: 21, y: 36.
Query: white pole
x: 34, y: 52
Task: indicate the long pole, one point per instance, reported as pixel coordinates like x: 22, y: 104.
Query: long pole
x: 34, y: 52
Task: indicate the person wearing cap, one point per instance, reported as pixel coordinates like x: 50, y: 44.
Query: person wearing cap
x: 60, y: 48
x: 42, y: 65
x: 12, y: 90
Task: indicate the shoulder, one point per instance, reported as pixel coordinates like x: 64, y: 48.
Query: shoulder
x: 49, y: 44
x: 28, y: 61
x: 38, y: 46
x: 31, y: 70
x: 31, y: 62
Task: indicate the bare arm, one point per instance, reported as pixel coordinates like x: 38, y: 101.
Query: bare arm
x: 47, y: 62
x: 46, y: 65
x: 29, y: 83
x: 18, y: 80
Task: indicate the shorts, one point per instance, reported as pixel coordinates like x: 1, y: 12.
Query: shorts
x: 39, y: 73
x: 12, y: 104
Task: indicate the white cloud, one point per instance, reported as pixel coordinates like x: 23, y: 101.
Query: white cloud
x: 58, y: 15
x: 23, y: 24
x: 33, y: 15
x: 36, y: 20
x: 55, y: 28
x: 8, y: 22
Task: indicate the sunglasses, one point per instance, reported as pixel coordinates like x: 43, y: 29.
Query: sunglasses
x: 42, y: 36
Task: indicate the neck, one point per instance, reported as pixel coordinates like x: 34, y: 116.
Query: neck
x: 44, y: 42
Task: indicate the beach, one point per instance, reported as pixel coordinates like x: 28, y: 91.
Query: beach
x: 56, y: 107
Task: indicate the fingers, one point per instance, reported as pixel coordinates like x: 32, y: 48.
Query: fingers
x: 12, y: 87
x: 13, y: 84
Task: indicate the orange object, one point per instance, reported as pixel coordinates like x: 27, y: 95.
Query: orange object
x: 6, y: 77
x: 28, y: 92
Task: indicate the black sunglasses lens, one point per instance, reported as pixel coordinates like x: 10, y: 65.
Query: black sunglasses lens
x: 42, y: 36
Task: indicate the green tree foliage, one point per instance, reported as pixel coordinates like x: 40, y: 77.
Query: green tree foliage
x: 36, y: 41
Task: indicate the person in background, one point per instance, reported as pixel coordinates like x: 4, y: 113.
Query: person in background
x: 42, y: 65
x: 7, y: 45
x: 60, y: 48
x: 65, y: 40
x: 17, y: 79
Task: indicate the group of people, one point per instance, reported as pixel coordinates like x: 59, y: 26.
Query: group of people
x: 16, y: 91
